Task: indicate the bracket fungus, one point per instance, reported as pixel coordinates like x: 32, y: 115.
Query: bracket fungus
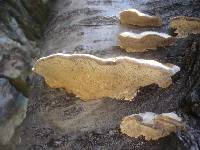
x: 137, y: 18
x: 150, y: 125
x: 90, y: 77
x: 184, y: 26
x: 133, y: 42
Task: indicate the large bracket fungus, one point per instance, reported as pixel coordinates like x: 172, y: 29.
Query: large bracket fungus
x: 90, y: 77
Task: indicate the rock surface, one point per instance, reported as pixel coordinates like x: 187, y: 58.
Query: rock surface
x: 13, y: 106
x: 90, y: 77
x: 137, y: 18
x: 150, y: 125
x: 144, y: 41
x: 185, y: 25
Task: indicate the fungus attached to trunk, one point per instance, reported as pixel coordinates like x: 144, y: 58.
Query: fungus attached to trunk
x: 133, y: 42
x: 134, y: 17
x: 150, y: 125
x: 90, y: 77
x: 184, y: 26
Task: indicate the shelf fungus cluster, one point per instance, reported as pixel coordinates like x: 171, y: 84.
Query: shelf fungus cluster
x: 184, y: 26
x: 90, y: 77
x: 133, y: 42
x: 137, y: 18
x: 150, y: 125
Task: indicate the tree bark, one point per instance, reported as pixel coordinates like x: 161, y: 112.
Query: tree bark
x: 61, y: 120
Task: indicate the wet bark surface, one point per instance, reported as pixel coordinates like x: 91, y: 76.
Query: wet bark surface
x: 58, y: 120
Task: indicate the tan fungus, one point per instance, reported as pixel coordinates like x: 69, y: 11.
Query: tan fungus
x: 133, y: 42
x: 90, y: 77
x: 185, y: 25
x: 137, y: 18
x: 150, y: 125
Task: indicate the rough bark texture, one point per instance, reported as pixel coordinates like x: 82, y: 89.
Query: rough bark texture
x: 13, y: 106
x: 21, y: 25
x: 29, y: 15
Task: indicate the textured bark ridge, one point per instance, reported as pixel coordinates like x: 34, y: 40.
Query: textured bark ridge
x: 189, y: 91
x: 185, y: 25
x: 13, y: 106
x: 90, y: 77
x: 134, y: 17
x: 21, y: 24
x: 28, y: 14
x: 150, y: 125
x: 133, y: 42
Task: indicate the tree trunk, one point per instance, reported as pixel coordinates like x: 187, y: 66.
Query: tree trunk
x: 56, y: 119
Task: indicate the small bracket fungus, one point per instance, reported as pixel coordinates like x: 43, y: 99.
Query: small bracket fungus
x: 134, y: 17
x: 133, y: 42
x: 150, y: 125
x: 184, y: 26
x: 90, y: 77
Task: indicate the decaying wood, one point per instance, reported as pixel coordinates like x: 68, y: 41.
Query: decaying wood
x: 185, y: 25
x: 90, y: 77
x: 133, y: 42
x: 137, y: 18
